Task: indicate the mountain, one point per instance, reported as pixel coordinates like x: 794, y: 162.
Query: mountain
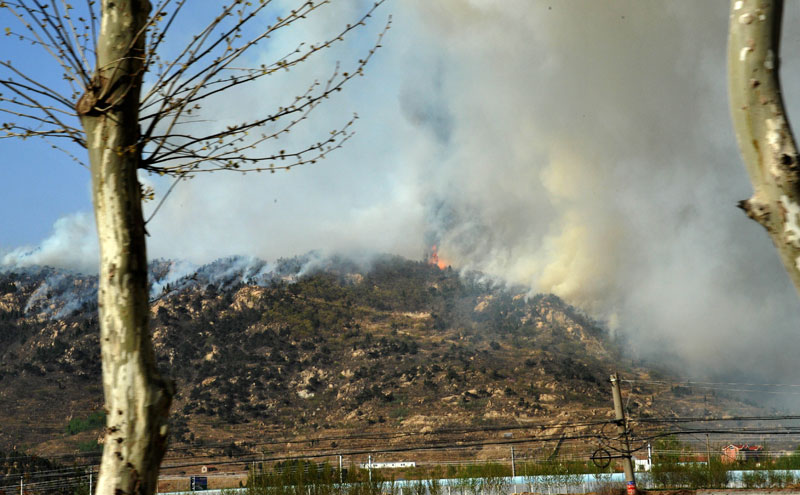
x: 310, y: 347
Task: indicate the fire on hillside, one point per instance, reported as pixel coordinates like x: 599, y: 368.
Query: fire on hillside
x: 434, y: 258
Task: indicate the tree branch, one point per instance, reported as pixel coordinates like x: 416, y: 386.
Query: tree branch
x: 762, y: 127
x: 302, y: 104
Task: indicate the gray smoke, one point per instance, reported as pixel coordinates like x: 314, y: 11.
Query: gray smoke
x: 72, y: 245
x: 576, y: 147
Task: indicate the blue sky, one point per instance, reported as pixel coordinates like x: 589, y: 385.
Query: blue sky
x: 39, y: 184
x: 40, y: 187
x: 576, y: 147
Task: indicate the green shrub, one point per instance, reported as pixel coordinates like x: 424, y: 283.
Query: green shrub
x: 754, y: 479
x: 90, y: 446
x: 93, y: 421
x: 308, y: 478
x: 673, y: 468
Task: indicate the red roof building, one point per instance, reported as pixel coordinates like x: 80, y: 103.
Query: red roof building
x: 741, y: 452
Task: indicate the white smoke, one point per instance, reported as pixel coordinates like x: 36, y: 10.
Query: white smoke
x: 72, y: 244
x: 576, y: 147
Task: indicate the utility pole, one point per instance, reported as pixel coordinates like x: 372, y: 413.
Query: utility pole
x: 513, y: 470
x: 622, y: 429
x: 341, y: 478
x: 513, y: 466
x: 708, y: 459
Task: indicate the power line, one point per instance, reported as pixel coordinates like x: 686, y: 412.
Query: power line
x: 452, y: 446
x: 354, y: 436
x: 699, y: 419
x: 691, y: 383
x: 676, y: 422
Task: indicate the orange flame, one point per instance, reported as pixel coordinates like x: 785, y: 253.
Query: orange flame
x: 437, y: 260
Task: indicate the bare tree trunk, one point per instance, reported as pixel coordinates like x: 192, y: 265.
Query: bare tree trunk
x: 762, y: 127
x: 137, y: 399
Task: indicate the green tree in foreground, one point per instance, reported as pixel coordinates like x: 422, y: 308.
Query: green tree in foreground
x: 132, y: 109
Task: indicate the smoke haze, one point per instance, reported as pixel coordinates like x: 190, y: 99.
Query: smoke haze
x: 72, y: 244
x: 576, y: 147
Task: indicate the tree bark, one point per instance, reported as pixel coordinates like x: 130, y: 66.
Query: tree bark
x: 762, y: 126
x: 137, y: 399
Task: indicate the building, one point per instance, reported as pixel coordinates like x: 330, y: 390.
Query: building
x: 385, y: 465
x: 644, y: 463
x: 741, y: 452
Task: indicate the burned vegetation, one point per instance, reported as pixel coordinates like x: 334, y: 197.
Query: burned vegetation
x: 403, y: 344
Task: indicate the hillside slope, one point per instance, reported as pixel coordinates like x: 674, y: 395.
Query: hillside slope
x: 282, y: 350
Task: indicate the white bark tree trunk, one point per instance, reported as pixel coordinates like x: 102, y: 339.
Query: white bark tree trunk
x: 137, y: 398
x: 762, y: 126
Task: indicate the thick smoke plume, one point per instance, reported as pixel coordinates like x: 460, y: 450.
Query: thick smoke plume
x: 576, y: 147
x: 72, y: 244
